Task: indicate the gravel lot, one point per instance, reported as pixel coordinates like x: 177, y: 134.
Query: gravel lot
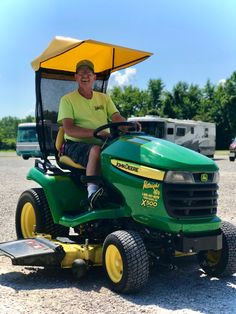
x: 34, y: 290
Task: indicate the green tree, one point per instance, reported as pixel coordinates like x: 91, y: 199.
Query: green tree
x: 182, y: 102
x: 207, y: 103
x: 154, y: 90
x: 230, y: 105
x: 8, y: 130
x: 129, y: 100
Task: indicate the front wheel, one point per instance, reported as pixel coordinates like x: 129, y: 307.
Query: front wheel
x: 33, y: 216
x: 125, y: 261
x: 222, y: 262
x: 25, y: 157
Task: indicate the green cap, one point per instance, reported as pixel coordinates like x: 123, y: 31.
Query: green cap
x: 86, y: 63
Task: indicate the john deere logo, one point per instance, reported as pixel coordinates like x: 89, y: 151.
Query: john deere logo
x: 204, y: 177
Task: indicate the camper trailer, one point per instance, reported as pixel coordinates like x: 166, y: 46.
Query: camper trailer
x: 196, y: 135
x: 27, y: 144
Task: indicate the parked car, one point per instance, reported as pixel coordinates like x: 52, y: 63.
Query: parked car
x: 232, y: 150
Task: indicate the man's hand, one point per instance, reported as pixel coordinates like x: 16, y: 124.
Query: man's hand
x: 136, y: 125
x: 104, y: 134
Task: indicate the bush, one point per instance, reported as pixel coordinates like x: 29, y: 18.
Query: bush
x: 9, y: 143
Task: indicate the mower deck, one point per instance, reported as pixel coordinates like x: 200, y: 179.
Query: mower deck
x: 40, y: 251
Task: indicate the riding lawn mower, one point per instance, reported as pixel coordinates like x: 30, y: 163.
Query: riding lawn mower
x: 161, y: 198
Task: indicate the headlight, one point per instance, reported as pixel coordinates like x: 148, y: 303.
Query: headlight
x: 216, y: 177
x: 179, y: 177
x: 184, y: 177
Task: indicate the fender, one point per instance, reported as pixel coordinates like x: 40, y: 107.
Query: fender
x: 64, y: 196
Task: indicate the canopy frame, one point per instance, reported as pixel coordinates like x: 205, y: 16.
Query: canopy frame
x: 55, y: 69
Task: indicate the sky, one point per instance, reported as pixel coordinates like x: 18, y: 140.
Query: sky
x: 191, y: 41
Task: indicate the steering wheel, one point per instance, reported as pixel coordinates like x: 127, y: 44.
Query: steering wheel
x: 114, y: 129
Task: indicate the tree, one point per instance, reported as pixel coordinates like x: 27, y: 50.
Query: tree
x: 129, y: 100
x: 230, y: 105
x: 155, y: 90
x: 182, y: 103
x: 8, y: 130
x: 207, y: 103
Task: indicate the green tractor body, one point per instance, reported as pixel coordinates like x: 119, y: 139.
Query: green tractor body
x: 134, y: 168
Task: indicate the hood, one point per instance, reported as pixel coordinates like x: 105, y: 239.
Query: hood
x: 159, y: 154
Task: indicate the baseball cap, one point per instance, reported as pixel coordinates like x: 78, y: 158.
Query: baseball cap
x: 87, y: 63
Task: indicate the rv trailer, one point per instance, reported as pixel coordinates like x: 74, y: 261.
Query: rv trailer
x: 27, y: 144
x: 196, y: 135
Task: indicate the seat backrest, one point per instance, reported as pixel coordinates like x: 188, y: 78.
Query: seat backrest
x: 65, y: 161
x: 60, y: 139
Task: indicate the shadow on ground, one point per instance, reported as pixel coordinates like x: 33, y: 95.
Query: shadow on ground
x: 186, y: 288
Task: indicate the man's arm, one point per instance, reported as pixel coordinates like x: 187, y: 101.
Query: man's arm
x: 117, y: 117
x: 74, y: 130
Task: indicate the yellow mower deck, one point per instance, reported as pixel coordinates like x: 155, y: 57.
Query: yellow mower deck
x: 91, y: 253
x: 42, y: 251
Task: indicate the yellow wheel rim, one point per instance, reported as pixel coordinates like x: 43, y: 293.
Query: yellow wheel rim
x: 213, y: 257
x: 28, y: 220
x: 114, y: 263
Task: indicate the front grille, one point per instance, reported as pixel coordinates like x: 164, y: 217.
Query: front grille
x: 190, y: 200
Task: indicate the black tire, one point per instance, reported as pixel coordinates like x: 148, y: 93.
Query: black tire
x: 125, y: 261
x: 223, y: 262
x: 79, y: 268
x: 231, y: 158
x: 33, y: 216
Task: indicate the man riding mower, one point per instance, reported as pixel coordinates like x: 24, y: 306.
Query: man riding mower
x: 161, y: 198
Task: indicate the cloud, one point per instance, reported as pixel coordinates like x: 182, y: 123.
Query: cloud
x: 221, y: 82
x: 122, y: 79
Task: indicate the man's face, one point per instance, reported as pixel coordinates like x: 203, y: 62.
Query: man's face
x: 85, y: 77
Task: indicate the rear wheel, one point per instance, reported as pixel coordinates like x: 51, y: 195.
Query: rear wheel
x: 125, y: 261
x: 221, y: 262
x: 33, y: 216
x: 231, y: 158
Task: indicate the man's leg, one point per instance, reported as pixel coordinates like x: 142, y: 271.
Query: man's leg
x: 93, y: 166
x: 89, y: 157
x: 94, y: 169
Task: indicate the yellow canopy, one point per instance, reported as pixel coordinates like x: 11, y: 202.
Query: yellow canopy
x: 63, y: 53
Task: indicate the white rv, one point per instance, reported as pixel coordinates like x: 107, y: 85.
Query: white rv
x: 27, y: 144
x: 197, y: 135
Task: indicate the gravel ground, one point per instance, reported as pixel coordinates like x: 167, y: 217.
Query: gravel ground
x: 36, y: 290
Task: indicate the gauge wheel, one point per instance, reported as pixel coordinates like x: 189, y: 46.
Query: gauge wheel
x: 222, y: 262
x: 33, y: 216
x: 125, y: 261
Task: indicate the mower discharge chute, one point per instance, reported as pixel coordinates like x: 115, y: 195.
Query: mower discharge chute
x: 161, y: 198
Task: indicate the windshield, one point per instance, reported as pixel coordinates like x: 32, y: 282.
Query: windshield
x: 50, y: 87
x: 27, y: 134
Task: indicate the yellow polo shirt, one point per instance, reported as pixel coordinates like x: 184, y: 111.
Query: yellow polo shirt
x: 86, y: 113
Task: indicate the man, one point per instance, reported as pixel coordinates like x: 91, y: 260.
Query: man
x: 81, y: 112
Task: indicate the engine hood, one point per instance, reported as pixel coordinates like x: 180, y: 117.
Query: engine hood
x: 157, y: 153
